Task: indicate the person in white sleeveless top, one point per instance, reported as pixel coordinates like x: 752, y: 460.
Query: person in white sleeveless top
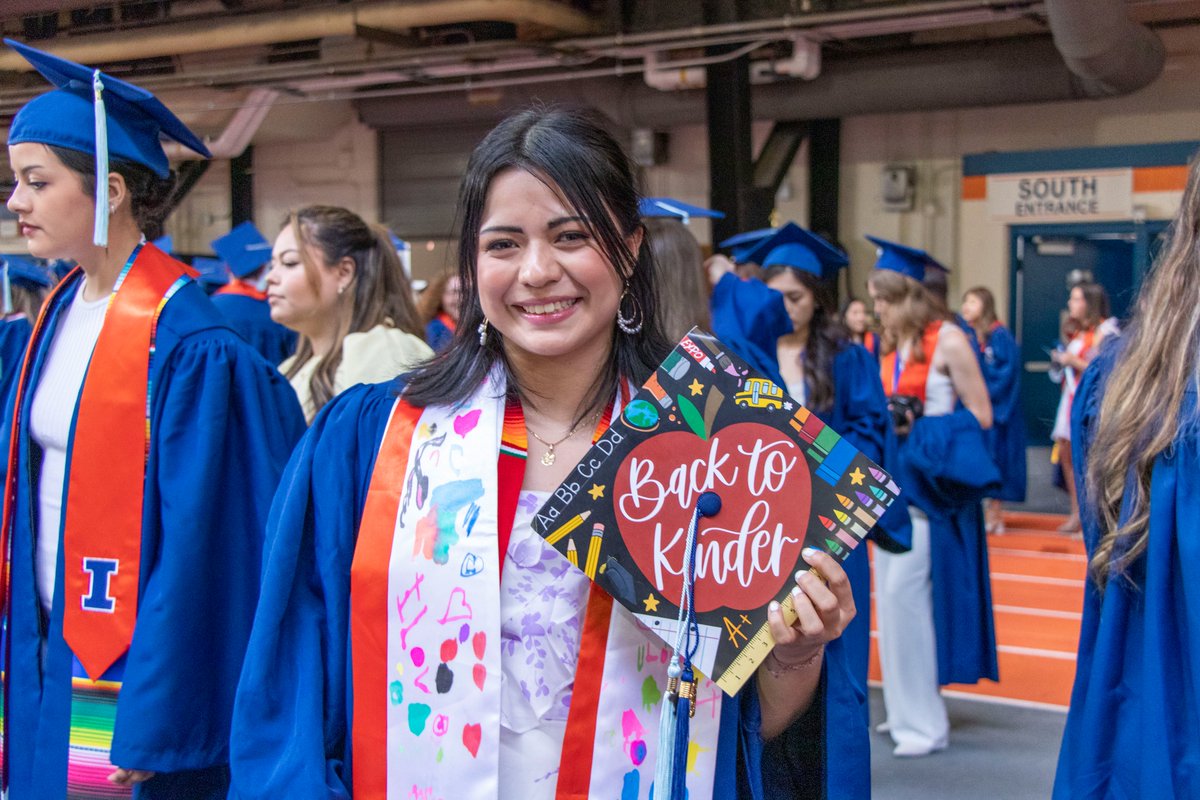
x: 928, y: 369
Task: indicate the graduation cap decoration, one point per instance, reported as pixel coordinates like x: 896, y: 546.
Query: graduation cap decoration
x: 100, y: 115
x: 693, y: 508
x: 906, y: 260
x: 793, y: 246
x: 705, y: 421
x: 674, y: 209
x: 740, y: 245
x: 244, y: 249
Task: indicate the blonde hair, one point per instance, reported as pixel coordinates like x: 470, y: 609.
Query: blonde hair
x: 913, y: 309
x: 380, y: 291
x: 1139, y: 413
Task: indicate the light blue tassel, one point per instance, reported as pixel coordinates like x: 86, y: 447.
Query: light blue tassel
x: 100, y: 232
x: 8, y: 301
x: 670, y: 771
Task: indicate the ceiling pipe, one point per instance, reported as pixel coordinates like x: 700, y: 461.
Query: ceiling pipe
x: 1110, y: 53
x: 930, y: 79
x: 236, y: 137
x: 248, y: 30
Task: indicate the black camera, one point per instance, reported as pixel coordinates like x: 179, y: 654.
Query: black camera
x: 905, y: 410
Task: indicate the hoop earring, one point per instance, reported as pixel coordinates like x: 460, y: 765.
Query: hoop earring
x: 483, y: 332
x: 633, y: 323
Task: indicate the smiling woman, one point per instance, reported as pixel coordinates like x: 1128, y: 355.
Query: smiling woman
x: 404, y: 531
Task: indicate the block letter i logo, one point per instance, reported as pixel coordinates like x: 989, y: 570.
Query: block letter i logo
x: 100, y: 572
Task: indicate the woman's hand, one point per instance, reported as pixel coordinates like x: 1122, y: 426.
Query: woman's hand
x: 130, y: 777
x: 787, y: 681
x: 823, y: 610
x: 717, y: 265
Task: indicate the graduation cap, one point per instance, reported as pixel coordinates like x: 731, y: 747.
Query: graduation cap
x: 674, y: 209
x: 793, y: 246
x: 740, y: 245
x: 904, y: 259
x: 22, y: 272
x: 404, y: 251
x: 100, y: 115
x: 244, y: 249
x: 211, y: 272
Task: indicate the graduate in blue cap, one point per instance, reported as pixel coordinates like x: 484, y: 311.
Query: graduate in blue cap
x: 133, y: 575
x: 211, y: 273
x: 934, y: 602
x: 243, y: 300
x: 683, y: 292
x: 813, y: 357
x: 24, y: 288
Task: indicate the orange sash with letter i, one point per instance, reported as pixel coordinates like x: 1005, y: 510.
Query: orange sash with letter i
x: 102, y: 527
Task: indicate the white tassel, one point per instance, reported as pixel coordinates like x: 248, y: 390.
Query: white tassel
x: 8, y: 301
x: 100, y: 232
x: 664, y: 767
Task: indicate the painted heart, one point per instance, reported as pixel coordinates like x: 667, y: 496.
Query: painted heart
x: 465, y: 423
x: 472, y: 735
x: 749, y: 550
x: 479, y: 675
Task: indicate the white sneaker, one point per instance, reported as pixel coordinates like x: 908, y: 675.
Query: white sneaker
x: 915, y: 750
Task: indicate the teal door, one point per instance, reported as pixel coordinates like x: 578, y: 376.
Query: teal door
x: 1047, y: 261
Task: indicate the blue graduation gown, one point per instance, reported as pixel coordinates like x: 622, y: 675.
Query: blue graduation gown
x: 941, y: 471
x: 251, y: 319
x: 293, y: 714
x: 223, y: 423
x: 1000, y: 363
x: 1133, y: 729
x: 749, y: 317
x: 14, y: 338
x: 438, y: 334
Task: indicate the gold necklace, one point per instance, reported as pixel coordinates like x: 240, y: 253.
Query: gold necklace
x: 548, y: 456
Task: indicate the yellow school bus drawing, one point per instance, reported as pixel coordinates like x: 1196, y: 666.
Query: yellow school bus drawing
x: 759, y: 393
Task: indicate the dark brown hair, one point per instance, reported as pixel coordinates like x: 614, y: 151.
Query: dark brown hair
x: 149, y: 195
x: 381, y: 292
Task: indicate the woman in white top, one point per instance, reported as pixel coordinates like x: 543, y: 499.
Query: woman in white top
x: 1085, y: 328
x: 927, y: 358
x: 339, y: 283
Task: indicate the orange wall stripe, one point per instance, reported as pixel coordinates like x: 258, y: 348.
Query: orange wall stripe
x: 974, y: 187
x: 1160, y: 179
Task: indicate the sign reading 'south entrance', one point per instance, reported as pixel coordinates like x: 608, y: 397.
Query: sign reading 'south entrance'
x: 1080, y: 196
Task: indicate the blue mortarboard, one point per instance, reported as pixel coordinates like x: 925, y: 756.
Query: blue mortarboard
x: 244, y: 249
x: 99, y: 115
x: 740, y: 245
x: 792, y: 246
x: 674, y: 209
x: 904, y: 259
x: 211, y: 271
x: 404, y: 250
x: 23, y: 272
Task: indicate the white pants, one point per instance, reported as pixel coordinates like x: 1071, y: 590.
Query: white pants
x: 916, y: 713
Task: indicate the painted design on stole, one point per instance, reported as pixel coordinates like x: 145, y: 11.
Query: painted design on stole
x: 705, y: 421
x: 442, y: 609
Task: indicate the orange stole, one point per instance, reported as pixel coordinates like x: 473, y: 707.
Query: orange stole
x: 369, y: 602
x: 102, y: 527
x: 914, y: 374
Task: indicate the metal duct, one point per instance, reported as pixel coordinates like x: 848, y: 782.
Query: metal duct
x: 1110, y: 53
x: 246, y: 30
x: 957, y: 76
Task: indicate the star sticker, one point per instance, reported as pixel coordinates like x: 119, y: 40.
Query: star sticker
x: 856, y: 477
x: 787, y: 406
x: 597, y: 491
x: 696, y: 386
x: 651, y: 603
